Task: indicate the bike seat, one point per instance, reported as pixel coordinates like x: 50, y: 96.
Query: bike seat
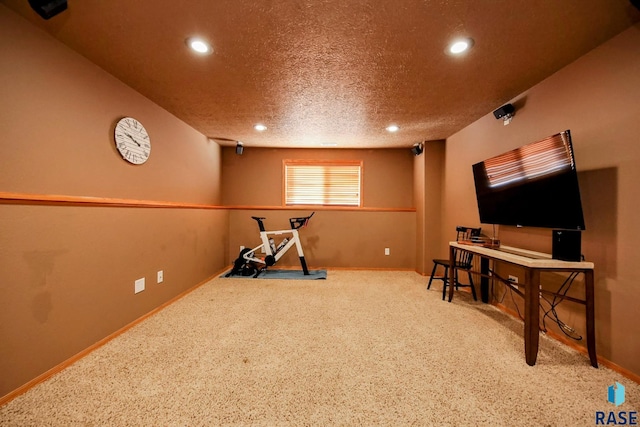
x: 259, y: 220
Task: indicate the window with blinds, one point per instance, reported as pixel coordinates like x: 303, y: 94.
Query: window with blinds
x: 545, y: 157
x: 309, y: 182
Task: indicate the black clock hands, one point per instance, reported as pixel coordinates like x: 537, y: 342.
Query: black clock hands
x: 133, y: 139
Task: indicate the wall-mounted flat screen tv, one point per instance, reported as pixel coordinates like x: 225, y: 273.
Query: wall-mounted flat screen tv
x: 535, y: 185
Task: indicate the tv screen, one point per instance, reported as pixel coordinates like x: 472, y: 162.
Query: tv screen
x: 535, y: 185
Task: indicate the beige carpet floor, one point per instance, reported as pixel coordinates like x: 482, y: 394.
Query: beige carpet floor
x: 360, y: 348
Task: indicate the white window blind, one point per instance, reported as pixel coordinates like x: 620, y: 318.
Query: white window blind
x: 322, y: 183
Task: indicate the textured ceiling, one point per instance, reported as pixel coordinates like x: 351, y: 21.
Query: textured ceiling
x: 333, y: 71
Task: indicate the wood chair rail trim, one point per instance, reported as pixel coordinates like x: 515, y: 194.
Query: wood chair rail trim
x: 57, y: 199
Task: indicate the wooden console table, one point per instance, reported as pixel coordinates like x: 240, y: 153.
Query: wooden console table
x: 534, y: 263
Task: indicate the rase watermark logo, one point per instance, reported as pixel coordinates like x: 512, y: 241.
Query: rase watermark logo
x: 615, y: 396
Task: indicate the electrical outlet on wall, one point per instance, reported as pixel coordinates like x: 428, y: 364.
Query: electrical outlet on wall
x: 160, y: 276
x: 387, y: 251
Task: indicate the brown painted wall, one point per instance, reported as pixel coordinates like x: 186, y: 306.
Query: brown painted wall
x: 597, y: 98
x: 255, y: 177
x: 348, y: 239
x: 334, y: 238
x: 428, y: 175
x: 67, y: 272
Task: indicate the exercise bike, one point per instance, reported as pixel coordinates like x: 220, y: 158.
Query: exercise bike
x: 247, y: 264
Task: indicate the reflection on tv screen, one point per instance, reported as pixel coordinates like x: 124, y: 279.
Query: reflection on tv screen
x: 534, y: 185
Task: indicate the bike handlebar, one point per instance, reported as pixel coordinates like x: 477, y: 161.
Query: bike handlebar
x: 300, y: 221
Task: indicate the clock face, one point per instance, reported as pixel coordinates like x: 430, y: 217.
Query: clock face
x: 132, y: 140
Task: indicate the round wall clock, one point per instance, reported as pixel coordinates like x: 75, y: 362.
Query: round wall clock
x: 132, y: 140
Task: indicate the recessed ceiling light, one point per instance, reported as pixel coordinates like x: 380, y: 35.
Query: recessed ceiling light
x: 393, y: 128
x: 198, y: 45
x: 260, y: 127
x: 460, y: 46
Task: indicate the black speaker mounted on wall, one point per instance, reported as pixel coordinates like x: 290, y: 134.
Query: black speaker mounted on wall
x: 417, y: 149
x: 505, y: 110
x: 239, y: 148
x: 48, y: 8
